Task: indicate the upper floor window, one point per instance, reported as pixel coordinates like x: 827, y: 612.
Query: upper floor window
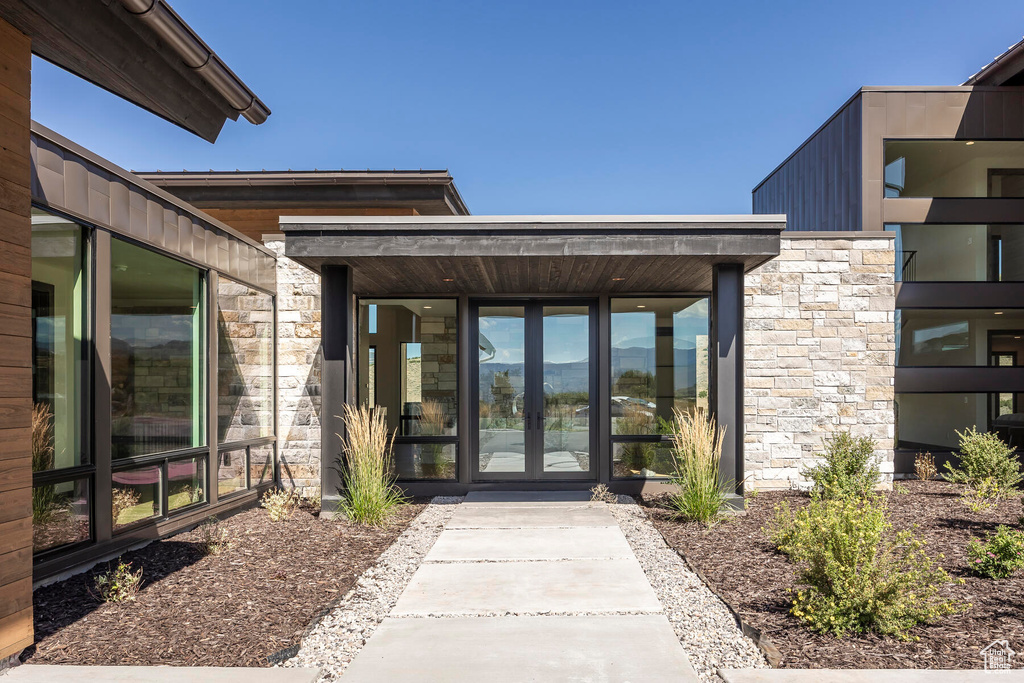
x: 954, y: 168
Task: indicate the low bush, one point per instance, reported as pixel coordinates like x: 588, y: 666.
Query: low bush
x: 601, y: 494
x: 856, y: 574
x: 849, y: 468
x: 369, y: 495
x: 696, y: 450
x: 999, y: 556
x: 989, y: 469
x: 924, y: 466
x: 120, y: 584
x: 279, y: 504
x: 213, y: 538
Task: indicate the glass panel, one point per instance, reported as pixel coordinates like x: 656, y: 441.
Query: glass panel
x: 245, y: 370
x: 954, y: 168
x: 230, y: 472
x: 186, y: 482
x: 566, y: 388
x: 954, y: 337
x: 60, y: 514
x: 157, y: 353
x: 659, y: 361
x: 502, y: 360
x: 261, y: 464
x: 930, y: 421
x: 136, y: 495
x: 412, y: 371
x: 643, y: 460
x: 425, y: 460
x: 959, y: 253
x: 58, y: 374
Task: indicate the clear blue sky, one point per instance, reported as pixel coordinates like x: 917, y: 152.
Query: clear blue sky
x: 543, y: 107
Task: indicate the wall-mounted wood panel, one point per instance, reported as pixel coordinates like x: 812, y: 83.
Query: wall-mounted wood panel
x: 15, y: 347
x: 819, y: 186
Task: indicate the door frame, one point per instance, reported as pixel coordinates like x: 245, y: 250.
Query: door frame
x: 533, y: 308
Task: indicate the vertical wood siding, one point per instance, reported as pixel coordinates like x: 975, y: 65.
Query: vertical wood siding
x: 15, y: 344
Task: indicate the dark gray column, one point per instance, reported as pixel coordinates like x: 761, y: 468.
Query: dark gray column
x: 212, y: 386
x: 337, y: 331
x: 603, y: 392
x: 727, y: 367
x: 467, y: 353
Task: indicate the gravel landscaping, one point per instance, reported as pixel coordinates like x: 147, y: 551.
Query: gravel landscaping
x: 753, y: 578
x: 232, y: 609
x: 702, y: 622
x: 334, y: 641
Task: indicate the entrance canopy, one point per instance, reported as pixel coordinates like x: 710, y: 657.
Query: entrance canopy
x: 531, y: 254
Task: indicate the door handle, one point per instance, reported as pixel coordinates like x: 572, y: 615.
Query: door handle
x: 540, y: 420
x: 527, y: 421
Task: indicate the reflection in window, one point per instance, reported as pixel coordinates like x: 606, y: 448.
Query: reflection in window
x: 245, y: 365
x: 186, y: 482
x: 60, y: 514
x: 659, y: 362
x: 954, y: 337
x: 954, y: 168
x: 157, y: 349
x: 230, y: 472
x: 58, y: 296
x: 136, y: 495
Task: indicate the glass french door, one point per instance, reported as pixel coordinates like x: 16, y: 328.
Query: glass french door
x: 534, y: 382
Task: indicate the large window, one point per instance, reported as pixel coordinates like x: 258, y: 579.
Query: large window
x: 60, y: 494
x: 245, y: 381
x: 659, y: 362
x: 959, y: 253
x: 408, y: 364
x: 931, y: 421
x: 954, y: 337
x: 954, y: 168
x: 157, y: 353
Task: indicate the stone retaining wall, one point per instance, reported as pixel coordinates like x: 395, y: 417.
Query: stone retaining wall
x: 819, y: 351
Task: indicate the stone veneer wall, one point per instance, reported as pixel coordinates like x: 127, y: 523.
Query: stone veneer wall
x: 819, y: 351
x: 299, y: 362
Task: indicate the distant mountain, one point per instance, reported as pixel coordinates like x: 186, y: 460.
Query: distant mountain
x: 573, y: 376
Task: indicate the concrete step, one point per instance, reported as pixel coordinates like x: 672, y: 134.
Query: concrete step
x: 871, y: 675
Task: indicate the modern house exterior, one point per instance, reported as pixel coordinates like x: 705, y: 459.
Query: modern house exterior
x: 176, y: 343
x: 941, y: 171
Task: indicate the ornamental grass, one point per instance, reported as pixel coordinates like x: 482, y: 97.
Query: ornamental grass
x: 368, y: 495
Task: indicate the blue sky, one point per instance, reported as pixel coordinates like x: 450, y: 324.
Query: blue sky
x: 542, y: 107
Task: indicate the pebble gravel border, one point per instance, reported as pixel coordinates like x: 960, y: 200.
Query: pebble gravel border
x: 336, y: 639
x: 702, y: 622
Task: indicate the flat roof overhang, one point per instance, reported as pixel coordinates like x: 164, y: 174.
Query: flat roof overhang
x: 429, y: 192
x: 392, y: 255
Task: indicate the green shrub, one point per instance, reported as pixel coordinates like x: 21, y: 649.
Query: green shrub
x: 849, y: 468
x: 213, y: 538
x: 999, y: 556
x: 696, y: 450
x: 369, y: 495
x: 856, y: 574
x: 989, y: 469
x: 120, y: 584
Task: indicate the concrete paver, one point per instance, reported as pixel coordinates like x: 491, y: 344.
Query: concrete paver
x: 48, y: 673
x: 529, y: 544
x: 545, y: 586
x: 526, y: 517
x: 514, y: 498
x: 597, y: 648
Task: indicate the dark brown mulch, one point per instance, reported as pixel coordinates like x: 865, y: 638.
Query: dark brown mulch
x: 232, y: 609
x: 745, y: 570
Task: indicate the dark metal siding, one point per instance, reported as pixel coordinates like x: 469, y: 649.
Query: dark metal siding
x: 819, y: 186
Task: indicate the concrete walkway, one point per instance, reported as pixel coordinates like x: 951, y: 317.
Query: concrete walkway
x: 49, y: 673
x: 870, y: 676
x: 526, y: 587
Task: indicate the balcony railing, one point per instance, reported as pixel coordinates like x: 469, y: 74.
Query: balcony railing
x: 909, y: 268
